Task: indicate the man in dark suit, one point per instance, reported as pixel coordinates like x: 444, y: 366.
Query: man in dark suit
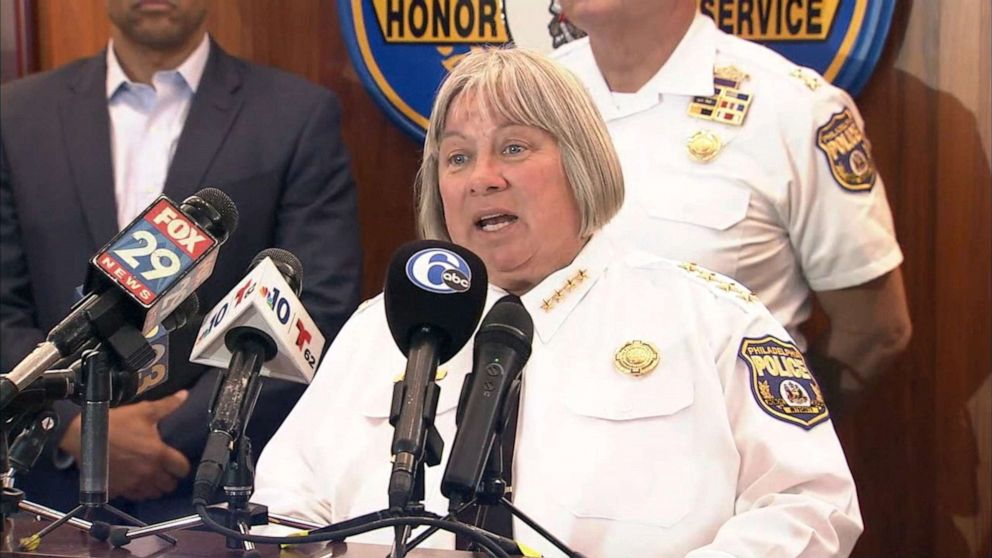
x: 85, y: 147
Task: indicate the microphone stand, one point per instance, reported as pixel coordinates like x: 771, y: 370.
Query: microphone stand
x: 236, y: 512
x: 25, y: 450
x: 433, y: 446
x: 10, y: 498
x: 493, y: 490
x: 433, y: 449
x: 97, y: 378
x: 35, y: 421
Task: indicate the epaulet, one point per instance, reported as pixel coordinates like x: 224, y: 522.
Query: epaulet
x: 361, y: 307
x: 807, y: 77
x: 721, y: 285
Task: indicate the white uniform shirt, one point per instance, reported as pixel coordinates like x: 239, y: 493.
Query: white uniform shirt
x: 767, y: 209
x: 681, y: 460
x: 146, y: 122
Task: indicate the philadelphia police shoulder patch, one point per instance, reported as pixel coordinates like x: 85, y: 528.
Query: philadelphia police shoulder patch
x: 848, y: 152
x: 781, y: 383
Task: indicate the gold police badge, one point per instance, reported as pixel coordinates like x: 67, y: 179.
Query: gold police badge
x: 636, y: 358
x: 704, y: 146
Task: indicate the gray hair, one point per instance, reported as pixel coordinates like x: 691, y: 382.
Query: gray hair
x: 529, y: 89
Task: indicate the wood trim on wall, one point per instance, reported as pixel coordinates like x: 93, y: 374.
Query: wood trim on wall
x: 920, y: 449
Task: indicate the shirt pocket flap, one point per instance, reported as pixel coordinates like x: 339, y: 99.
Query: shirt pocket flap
x: 619, y: 398
x: 641, y: 468
x: 703, y: 202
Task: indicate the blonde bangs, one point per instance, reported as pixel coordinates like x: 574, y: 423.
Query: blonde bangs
x: 526, y: 88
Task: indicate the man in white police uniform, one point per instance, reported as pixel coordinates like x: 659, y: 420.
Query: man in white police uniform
x: 738, y: 160
x: 664, y: 412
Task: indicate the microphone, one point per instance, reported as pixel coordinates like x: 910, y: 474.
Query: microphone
x: 265, y: 302
x: 129, y: 386
x: 64, y: 382
x: 137, y: 279
x: 434, y: 296
x: 502, y: 347
x: 259, y: 329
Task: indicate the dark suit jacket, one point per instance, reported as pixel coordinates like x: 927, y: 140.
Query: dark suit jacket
x: 269, y: 139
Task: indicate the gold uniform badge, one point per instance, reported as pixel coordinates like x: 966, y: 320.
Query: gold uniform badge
x: 636, y: 358
x: 704, y: 146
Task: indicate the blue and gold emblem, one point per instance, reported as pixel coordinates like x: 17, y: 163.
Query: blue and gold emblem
x: 781, y: 383
x: 848, y: 152
x: 403, y: 49
x: 840, y: 39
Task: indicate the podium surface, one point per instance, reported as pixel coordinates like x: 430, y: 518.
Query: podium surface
x: 68, y: 542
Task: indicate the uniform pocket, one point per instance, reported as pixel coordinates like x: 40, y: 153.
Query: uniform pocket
x: 696, y: 218
x: 704, y: 202
x: 635, y: 447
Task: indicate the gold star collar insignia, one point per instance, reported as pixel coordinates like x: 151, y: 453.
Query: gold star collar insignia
x: 559, y: 295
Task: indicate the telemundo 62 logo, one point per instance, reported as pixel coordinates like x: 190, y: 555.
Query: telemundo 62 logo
x: 439, y: 271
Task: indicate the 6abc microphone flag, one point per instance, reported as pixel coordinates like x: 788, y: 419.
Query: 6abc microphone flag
x: 434, y: 296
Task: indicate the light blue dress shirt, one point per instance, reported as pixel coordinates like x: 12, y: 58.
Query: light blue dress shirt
x: 145, y: 124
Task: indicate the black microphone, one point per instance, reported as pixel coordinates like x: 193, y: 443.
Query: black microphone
x: 250, y: 346
x: 29, y: 444
x: 434, y: 296
x: 136, y: 280
x: 502, y: 347
x: 129, y: 385
x: 64, y: 381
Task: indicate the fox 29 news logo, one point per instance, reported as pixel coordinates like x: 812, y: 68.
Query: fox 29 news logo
x: 154, y: 252
x: 439, y: 271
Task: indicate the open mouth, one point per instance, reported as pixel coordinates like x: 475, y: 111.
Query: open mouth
x: 495, y: 222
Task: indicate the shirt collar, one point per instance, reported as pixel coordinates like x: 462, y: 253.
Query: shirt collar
x: 191, y: 69
x: 688, y: 71
x: 554, y: 298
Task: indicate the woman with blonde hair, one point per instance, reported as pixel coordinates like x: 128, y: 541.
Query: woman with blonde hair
x: 655, y: 416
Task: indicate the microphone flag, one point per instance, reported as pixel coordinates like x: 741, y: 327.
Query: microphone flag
x: 162, y: 252
x: 263, y: 300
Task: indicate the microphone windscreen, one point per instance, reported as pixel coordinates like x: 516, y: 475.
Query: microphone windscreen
x: 508, y: 323
x: 213, y: 210
x: 289, y: 265
x: 435, y: 284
